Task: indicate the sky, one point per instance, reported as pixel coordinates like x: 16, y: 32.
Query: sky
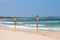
x: 29, y: 8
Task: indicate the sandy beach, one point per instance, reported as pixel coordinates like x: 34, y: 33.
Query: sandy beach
x: 23, y: 34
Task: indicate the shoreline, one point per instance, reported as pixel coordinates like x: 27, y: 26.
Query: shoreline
x: 56, y: 29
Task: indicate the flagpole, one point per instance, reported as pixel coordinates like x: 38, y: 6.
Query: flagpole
x: 36, y: 23
x: 15, y: 22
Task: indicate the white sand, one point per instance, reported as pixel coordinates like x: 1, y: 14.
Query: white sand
x: 16, y: 35
x: 6, y: 34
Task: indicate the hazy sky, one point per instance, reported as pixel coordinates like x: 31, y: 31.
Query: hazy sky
x: 29, y: 8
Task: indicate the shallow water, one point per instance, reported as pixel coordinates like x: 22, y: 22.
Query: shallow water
x: 30, y: 23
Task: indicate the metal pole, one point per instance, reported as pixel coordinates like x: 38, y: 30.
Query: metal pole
x: 15, y: 22
x: 37, y: 24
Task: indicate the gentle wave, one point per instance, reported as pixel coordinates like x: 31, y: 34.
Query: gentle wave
x: 27, y: 27
x: 6, y: 22
x: 34, y: 25
x: 20, y: 23
x: 52, y: 21
x: 11, y: 22
x: 32, y: 22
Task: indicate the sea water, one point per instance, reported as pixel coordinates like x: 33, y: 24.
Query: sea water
x: 44, y: 23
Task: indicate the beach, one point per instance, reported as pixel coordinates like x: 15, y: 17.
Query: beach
x: 7, y: 33
x: 29, y: 20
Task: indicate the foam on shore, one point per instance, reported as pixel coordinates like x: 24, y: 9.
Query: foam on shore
x: 30, y: 27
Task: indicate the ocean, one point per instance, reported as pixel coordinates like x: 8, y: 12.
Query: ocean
x: 44, y: 23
